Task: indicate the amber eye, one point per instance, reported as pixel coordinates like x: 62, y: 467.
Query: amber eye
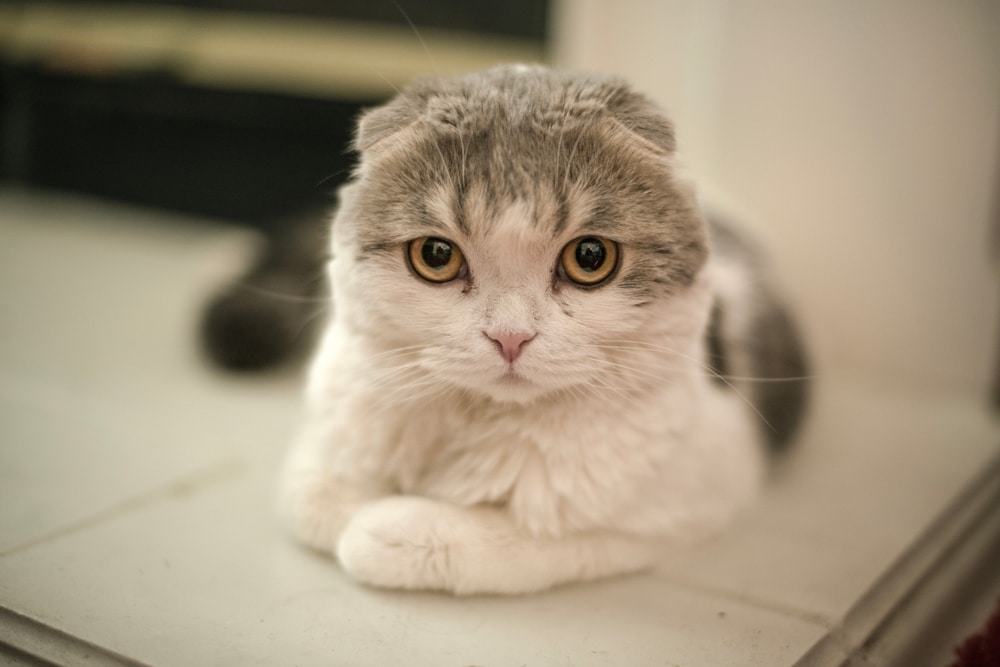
x: 435, y: 260
x: 589, y: 260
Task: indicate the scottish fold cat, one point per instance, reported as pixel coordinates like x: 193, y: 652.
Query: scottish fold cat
x: 541, y: 364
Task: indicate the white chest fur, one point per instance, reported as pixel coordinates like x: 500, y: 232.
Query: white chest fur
x: 672, y: 460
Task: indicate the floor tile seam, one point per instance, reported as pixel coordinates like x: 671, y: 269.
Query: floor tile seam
x: 189, y: 484
x: 810, y: 616
x: 52, y: 397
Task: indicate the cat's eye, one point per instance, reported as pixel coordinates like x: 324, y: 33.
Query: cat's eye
x: 435, y: 260
x: 589, y: 260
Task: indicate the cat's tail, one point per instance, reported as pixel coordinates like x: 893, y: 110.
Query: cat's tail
x: 753, y: 342
x: 270, y: 313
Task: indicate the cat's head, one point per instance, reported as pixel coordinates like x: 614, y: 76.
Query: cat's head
x: 520, y: 232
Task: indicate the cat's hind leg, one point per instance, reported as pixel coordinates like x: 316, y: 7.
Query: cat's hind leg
x: 418, y: 543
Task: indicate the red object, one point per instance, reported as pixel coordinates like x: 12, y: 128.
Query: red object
x: 983, y: 648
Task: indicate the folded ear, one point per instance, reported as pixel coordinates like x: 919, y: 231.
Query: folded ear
x: 442, y: 103
x: 641, y: 115
x: 386, y: 120
x: 424, y: 97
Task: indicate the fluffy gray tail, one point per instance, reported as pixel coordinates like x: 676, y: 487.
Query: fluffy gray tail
x: 753, y: 343
x: 270, y: 313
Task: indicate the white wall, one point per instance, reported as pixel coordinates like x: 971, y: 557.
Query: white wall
x: 860, y: 138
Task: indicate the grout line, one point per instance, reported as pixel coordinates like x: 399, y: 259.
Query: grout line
x: 180, y: 488
x: 782, y: 608
x: 25, y: 390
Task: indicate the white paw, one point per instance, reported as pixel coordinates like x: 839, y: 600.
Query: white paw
x: 315, y: 505
x: 400, y: 542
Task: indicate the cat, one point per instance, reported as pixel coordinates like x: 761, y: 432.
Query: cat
x: 538, y: 367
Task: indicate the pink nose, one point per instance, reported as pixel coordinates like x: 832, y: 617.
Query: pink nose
x: 510, y: 344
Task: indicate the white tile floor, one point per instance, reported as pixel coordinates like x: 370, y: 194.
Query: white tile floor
x: 136, y: 485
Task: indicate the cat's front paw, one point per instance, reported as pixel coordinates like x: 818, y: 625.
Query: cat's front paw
x: 400, y: 542
x: 316, y: 505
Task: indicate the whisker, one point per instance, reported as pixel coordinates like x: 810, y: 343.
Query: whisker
x: 594, y: 386
x: 396, y: 350
x: 588, y: 387
x: 392, y: 382
x: 389, y: 83
x: 337, y: 174
x: 790, y: 378
x: 428, y: 388
x: 307, y: 322
x: 632, y: 369
x: 420, y: 38
x: 722, y: 378
x: 390, y: 353
x: 445, y: 165
x: 465, y: 178
x: 393, y: 374
x: 470, y: 400
x: 569, y: 162
x: 746, y: 400
x: 291, y: 298
x: 638, y: 345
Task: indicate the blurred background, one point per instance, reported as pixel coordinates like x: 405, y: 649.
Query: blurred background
x: 859, y: 139
x: 240, y: 109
